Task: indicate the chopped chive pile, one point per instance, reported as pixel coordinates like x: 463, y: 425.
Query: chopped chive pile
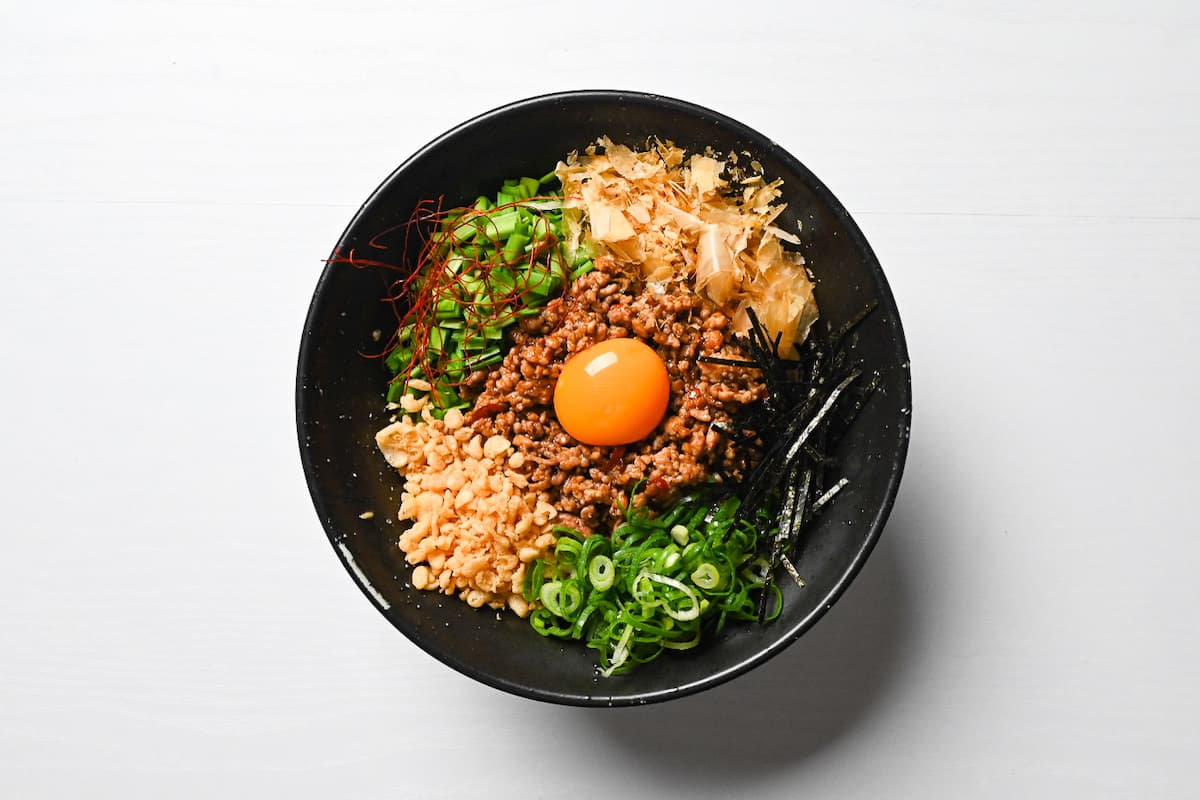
x: 655, y: 584
x: 485, y: 267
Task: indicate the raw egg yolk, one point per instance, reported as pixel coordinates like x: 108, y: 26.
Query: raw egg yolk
x: 615, y: 392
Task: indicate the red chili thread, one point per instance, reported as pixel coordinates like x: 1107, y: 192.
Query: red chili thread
x: 427, y: 280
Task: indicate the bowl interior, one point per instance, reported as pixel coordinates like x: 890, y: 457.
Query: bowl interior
x: 340, y: 398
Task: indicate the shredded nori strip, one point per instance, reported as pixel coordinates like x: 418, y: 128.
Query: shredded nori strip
x: 811, y: 402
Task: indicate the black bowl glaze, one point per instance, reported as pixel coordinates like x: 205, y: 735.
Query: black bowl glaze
x: 339, y: 403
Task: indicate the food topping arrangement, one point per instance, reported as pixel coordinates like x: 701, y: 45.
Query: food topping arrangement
x: 612, y: 407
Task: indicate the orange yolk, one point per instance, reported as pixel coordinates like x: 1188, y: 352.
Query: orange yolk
x: 615, y: 392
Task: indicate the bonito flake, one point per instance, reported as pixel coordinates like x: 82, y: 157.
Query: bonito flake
x: 678, y: 217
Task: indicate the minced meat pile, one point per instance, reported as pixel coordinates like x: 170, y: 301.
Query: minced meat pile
x: 587, y: 483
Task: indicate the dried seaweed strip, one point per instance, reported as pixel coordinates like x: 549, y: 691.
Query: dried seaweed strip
x: 810, y: 404
x: 791, y: 519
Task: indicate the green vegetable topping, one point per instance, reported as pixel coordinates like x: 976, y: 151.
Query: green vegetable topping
x: 485, y: 266
x: 658, y: 583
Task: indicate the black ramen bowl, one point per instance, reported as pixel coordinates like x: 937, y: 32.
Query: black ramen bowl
x: 340, y: 406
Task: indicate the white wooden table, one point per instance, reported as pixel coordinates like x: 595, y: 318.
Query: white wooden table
x: 173, y: 622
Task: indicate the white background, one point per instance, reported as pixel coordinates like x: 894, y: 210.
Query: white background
x: 173, y: 621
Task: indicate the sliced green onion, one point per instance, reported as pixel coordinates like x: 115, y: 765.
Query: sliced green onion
x: 684, y: 644
x: 501, y: 225
x: 688, y: 612
x: 567, y: 551
x: 570, y: 596
x: 647, y: 589
x: 540, y: 230
x: 464, y: 231
x: 582, y: 269
x: 706, y: 576
x: 437, y: 338
x: 515, y: 245
x: 534, y: 579
x: 601, y: 573
x: 549, y: 595
x: 620, y: 652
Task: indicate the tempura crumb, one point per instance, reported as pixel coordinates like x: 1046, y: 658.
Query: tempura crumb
x: 474, y: 527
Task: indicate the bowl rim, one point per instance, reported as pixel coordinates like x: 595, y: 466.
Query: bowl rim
x: 876, y: 525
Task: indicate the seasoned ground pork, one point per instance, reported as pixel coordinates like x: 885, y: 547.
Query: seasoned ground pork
x: 586, y: 483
